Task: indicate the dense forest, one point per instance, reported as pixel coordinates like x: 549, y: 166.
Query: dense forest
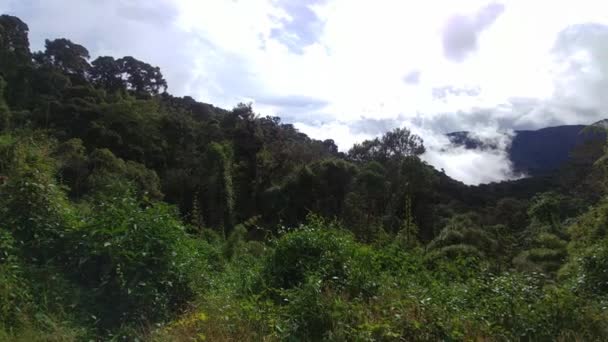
x: 128, y: 214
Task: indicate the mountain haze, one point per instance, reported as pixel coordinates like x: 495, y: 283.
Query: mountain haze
x: 537, y: 152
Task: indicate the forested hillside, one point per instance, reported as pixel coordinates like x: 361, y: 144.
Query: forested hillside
x: 127, y: 213
x: 539, y: 152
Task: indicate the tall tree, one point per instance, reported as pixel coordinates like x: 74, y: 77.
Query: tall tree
x: 106, y: 73
x: 142, y: 78
x: 218, y: 188
x: 394, y: 145
x: 14, y: 43
x: 5, y: 113
x: 70, y: 58
x: 15, y: 60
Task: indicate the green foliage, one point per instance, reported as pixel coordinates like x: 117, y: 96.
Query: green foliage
x: 73, y: 168
x: 14, y: 296
x: 547, y: 211
x: 110, y: 175
x: 463, y: 238
x: 142, y: 78
x: 218, y: 186
x: 308, y: 315
x: 396, y: 144
x: 308, y: 251
x: 320, y: 187
x: 65, y: 55
x: 593, y: 276
x: 138, y: 262
x: 408, y: 235
x: 547, y: 255
x: 32, y: 206
x: 324, y: 252
x: 5, y: 113
x: 235, y: 241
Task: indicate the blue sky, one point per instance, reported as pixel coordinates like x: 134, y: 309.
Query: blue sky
x: 350, y: 70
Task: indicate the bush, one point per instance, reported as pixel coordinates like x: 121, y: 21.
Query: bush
x: 547, y: 254
x: 308, y: 315
x: 32, y: 206
x: 327, y: 253
x: 14, y: 294
x: 594, y: 270
x: 138, y: 262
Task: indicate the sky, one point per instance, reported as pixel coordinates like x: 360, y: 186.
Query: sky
x: 350, y: 70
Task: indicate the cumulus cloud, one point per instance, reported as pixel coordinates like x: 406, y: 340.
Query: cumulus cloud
x: 461, y: 32
x: 301, y: 27
x: 581, y: 54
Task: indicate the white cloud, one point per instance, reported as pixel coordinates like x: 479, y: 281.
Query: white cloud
x: 473, y: 166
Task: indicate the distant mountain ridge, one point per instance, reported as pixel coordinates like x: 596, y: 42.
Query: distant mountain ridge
x: 536, y: 152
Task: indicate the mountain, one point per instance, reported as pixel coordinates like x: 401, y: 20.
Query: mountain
x: 537, y: 152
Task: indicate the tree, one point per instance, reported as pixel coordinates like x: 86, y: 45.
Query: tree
x: 14, y: 43
x: 408, y: 235
x: 320, y: 187
x: 368, y: 150
x: 241, y: 126
x: 141, y: 78
x: 32, y: 206
x: 70, y: 58
x: 5, y: 113
x: 365, y: 204
x: 106, y: 73
x: 400, y: 142
x: 15, y: 60
x: 545, y: 210
x: 73, y: 165
x: 512, y: 213
x: 547, y: 254
x: 331, y: 146
x: 218, y: 188
x: 463, y: 237
x: 394, y: 145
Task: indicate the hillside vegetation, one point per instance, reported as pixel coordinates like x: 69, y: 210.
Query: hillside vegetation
x: 129, y: 214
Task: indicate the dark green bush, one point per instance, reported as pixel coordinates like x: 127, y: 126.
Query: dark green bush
x: 14, y: 292
x: 594, y: 269
x: 329, y: 254
x: 32, y: 206
x: 137, y: 261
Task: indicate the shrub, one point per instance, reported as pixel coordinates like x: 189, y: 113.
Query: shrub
x: 138, y: 262
x: 594, y: 273
x: 547, y: 254
x: 32, y: 206
x: 329, y: 254
x: 463, y: 238
x: 14, y: 294
x: 308, y: 313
